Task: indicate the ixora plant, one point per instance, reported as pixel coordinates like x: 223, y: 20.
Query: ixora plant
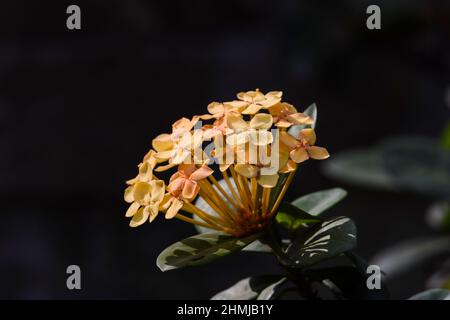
x: 256, y: 145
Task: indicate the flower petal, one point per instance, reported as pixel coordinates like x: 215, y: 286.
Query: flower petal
x: 141, y: 189
x: 261, y: 137
x: 300, y: 118
x: 246, y: 170
x: 237, y: 123
x: 190, y: 189
x: 166, y: 167
x: 268, y: 181
x: 152, y: 211
x: 128, y: 194
x: 158, y: 188
x: 162, y: 142
x: 201, y: 173
x: 252, y: 109
x: 309, y: 135
x: 288, y: 140
x: 175, y: 187
x: 132, y: 209
x: 139, y: 218
x: 175, y: 206
x: 318, y: 153
x: 216, y: 108
x: 299, y: 155
x: 261, y: 121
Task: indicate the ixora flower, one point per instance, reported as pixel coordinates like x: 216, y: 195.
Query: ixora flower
x: 239, y: 197
x: 247, y: 199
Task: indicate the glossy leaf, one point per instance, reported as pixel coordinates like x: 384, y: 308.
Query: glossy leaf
x: 317, y: 202
x: 271, y: 292
x: 322, y: 241
x: 432, y: 294
x: 405, y: 255
x: 200, y: 249
x: 417, y: 164
x: 291, y: 217
x: 248, y: 288
x: 360, y: 166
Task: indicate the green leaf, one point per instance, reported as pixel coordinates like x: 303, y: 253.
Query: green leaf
x: 292, y: 217
x: 417, y: 164
x: 317, y: 202
x: 432, y: 294
x: 360, y: 166
x: 401, y: 163
x: 410, y: 253
x: 438, y: 216
x: 445, y: 139
x: 201, y: 249
x: 271, y: 291
x: 248, y: 288
x: 311, y: 111
x: 322, y: 241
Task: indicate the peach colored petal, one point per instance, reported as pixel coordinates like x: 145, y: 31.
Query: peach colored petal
x: 261, y: 121
x: 252, y: 109
x: 261, y: 137
x: 190, y: 189
x: 216, y: 108
x: 299, y: 155
x: 162, y: 142
x: 236, y: 123
x: 187, y: 169
x: 164, y: 155
x: 300, y: 118
x: 288, y: 167
x: 176, y: 186
x: 309, y: 135
x: 283, y: 123
x: 201, y: 173
x: 318, y: 153
x: 288, y: 140
x: 268, y: 181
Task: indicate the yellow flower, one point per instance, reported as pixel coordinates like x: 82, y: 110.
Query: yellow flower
x: 254, y: 171
x: 145, y: 198
x: 178, y: 151
x: 146, y: 168
x: 256, y: 100
x: 285, y: 115
x: 303, y: 148
x: 222, y: 110
x: 255, y: 131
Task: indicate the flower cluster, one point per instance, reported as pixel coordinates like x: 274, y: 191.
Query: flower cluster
x: 256, y: 155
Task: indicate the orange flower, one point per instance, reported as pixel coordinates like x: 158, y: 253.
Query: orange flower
x: 285, y: 115
x: 303, y: 148
x: 184, y: 186
x: 256, y: 100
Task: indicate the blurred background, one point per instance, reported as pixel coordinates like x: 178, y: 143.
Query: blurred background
x: 78, y: 110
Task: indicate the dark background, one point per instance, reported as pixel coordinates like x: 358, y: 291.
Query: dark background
x: 78, y: 110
